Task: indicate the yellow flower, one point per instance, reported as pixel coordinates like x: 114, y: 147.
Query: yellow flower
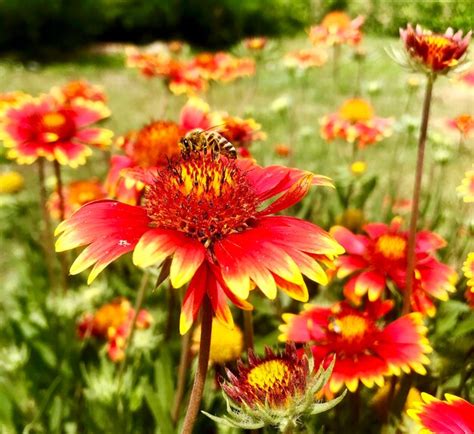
x: 466, y: 189
x: 356, y: 109
x: 226, y: 344
x: 11, y: 182
x: 358, y: 167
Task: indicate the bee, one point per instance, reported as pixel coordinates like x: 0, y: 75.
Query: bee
x: 198, y: 140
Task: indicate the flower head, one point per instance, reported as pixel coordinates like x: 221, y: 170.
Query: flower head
x: 453, y: 415
x: 466, y: 189
x: 78, y: 89
x: 240, y: 132
x: 431, y: 52
x: 208, y: 222
x: 256, y: 43
x: 282, y: 150
x: 226, y: 344
x: 305, y: 58
x: 76, y: 194
x: 12, y: 99
x: 337, y: 28
x: 365, y: 350
x: 381, y: 256
x: 463, y: 123
x: 11, y: 182
x: 112, y: 322
x: 223, y: 67
x: 46, y: 128
x: 355, y: 122
x: 275, y: 390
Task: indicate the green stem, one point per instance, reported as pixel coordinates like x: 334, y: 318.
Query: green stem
x: 200, y: 377
x: 416, y: 196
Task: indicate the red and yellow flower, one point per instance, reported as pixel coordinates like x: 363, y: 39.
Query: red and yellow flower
x: 152, y: 147
x: 240, y: 132
x: 78, y: 89
x: 305, y: 58
x: 205, y: 220
x: 12, y: 99
x: 75, y: 194
x: 466, y: 189
x: 355, y: 122
x: 45, y: 128
x: 381, y: 256
x: 223, y: 67
x: 112, y: 322
x: 453, y: 415
x: 365, y: 350
x: 276, y: 390
x: 434, y: 53
x: 256, y: 43
x: 468, y: 270
x: 337, y: 28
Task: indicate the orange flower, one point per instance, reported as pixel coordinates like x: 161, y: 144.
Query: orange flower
x: 208, y: 223
x: 337, y: 28
x: 463, y: 123
x: 45, y: 128
x: 305, y: 58
x: 282, y: 150
x: 257, y: 43
x: 466, y: 189
x: 355, y: 122
x: 112, y: 322
x: 240, y: 132
x: 76, y: 194
x: 431, y: 52
x: 453, y: 415
x: 78, y: 89
x: 175, y: 46
x: 223, y: 66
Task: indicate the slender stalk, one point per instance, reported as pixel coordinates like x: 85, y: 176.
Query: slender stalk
x: 48, y: 233
x: 248, y: 329
x: 200, y: 378
x: 184, y: 361
x: 60, y: 190
x: 416, y: 195
x: 129, y: 339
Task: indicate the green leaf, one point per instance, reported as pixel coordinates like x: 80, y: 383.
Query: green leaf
x: 164, y: 379
x: 161, y: 416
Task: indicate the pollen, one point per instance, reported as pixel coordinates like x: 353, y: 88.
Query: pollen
x: 356, y: 110
x: 268, y: 375
x: 351, y: 327
x: 203, y: 197
x: 391, y: 247
x: 437, y: 41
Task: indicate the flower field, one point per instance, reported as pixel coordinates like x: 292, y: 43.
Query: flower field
x: 275, y: 238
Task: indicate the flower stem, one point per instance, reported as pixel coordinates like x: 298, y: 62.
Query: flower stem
x: 248, y: 329
x: 200, y: 378
x: 48, y: 233
x: 60, y: 191
x: 182, y: 375
x: 416, y: 196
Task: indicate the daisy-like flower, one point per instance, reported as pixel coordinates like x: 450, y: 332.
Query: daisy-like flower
x: 78, y: 89
x: 355, y: 122
x: 208, y: 222
x: 466, y: 189
x: 223, y: 67
x: 365, y: 349
x: 112, y: 322
x: 282, y: 150
x: 463, y: 123
x: 226, y: 344
x: 453, y: 415
x: 240, y: 132
x: 305, y: 58
x: 256, y: 43
x: 337, y: 28
x: 468, y: 270
x: 374, y: 259
x: 275, y: 390
x: 45, y: 128
x: 432, y: 53
x: 152, y: 147
x: 76, y: 194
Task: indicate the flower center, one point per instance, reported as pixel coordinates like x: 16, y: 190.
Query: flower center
x: 203, y: 197
x: 155, y: 143
x: 351, y: 327
x: 53, y: 120
x: 391, y: 246
x: 336, y: 20
x: 270, y: 374
x: 437, y: 41
x: 356, y: 109
x: 55, y: 126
